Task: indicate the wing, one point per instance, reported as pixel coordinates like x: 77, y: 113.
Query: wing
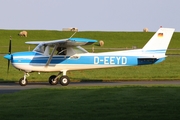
x: 65, y: 42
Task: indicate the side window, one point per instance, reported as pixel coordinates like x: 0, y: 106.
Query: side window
x: 61, y: 51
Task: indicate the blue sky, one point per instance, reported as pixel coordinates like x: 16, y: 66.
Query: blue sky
x: 90, y: 15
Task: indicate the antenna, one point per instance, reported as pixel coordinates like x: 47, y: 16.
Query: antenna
x: 73, y: 34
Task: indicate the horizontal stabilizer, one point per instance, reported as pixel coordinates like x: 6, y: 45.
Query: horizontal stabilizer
x: 154, y: 56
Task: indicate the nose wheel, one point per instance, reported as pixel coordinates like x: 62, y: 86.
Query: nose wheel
x: 23, y: 82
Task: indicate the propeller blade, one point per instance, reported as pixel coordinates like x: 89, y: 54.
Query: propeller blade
x: 9, y: 54
x: 10, y: 45
x: 8, y: 66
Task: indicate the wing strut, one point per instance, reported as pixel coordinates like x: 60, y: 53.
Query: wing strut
x: 73, y: 34
x: 52, y: 53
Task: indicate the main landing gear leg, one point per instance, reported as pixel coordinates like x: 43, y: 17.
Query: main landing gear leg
x: 23, y: 81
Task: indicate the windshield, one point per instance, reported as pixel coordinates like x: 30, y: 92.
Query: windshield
x: 40, y: 48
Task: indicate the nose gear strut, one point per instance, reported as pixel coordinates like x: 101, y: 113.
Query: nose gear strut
x: 23, y: 81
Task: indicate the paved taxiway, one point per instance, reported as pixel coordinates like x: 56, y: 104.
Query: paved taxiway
x: 15, y: 87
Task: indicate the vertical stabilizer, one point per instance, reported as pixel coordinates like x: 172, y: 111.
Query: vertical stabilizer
x: 160, y: 41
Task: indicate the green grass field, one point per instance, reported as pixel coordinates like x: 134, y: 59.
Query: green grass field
x: 167, y: 70
x: 93, y: 103
x: 147, y: 102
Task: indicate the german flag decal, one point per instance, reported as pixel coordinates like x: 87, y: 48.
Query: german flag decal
x: 160, y: 35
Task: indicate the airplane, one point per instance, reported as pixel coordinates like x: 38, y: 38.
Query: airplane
x: 67, y: 54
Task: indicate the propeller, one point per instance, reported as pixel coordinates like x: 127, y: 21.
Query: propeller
x: 9, y: 60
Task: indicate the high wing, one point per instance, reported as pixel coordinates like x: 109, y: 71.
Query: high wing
x: 65, y: 42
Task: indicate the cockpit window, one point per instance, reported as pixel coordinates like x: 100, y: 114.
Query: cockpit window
x: 48, y: 49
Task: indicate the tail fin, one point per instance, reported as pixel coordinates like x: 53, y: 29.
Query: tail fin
x: 160, y: 41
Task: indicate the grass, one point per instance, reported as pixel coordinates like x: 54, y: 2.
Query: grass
x: 101, y: 103
x: 112, y: 39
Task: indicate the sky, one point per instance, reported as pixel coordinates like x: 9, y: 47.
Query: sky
x: 90, y: 15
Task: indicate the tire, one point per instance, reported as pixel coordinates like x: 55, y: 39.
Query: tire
x: 64, y: 80
x: 52, y: 80
x: 22, y: 82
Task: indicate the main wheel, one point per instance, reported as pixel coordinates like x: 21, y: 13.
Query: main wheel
x: 52, y: 80
x: 64, y: 80
x: 23, y: 82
